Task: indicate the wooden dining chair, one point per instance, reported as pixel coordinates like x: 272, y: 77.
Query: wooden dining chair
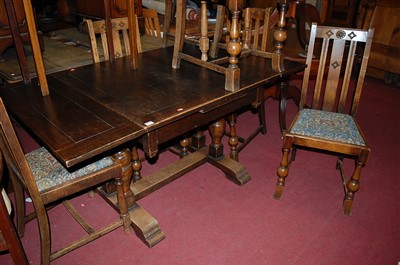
x: 151, y: 23
x: 120, y: 28
x: 256, y: 27
x: 39, y: 175
x: 9, y: 240
x: 255, y: 37
x: 329, y: 123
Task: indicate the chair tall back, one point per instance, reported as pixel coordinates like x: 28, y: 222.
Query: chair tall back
x: 256, y: 27
x: 46, y: 181
x: 20, y: 172
x: 326, y: 120
x: 15, y: 158
x: 151, y: 23
x: 120, y: 28
x: 337, y: 56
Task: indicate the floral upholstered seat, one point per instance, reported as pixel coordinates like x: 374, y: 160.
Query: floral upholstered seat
x: 328, y: 105
x: 327, y: 125
x: 48, y: 172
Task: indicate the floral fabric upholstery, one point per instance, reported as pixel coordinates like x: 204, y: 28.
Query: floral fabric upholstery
x: 328, y: 125
x: 48, y: 172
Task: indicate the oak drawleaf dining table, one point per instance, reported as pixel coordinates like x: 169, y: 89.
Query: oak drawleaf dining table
x: 109, y: 109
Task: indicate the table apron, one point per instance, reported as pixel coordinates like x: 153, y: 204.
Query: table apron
x: 197, y: 120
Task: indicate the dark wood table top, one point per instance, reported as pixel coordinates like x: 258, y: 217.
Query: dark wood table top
x: 97, y: 108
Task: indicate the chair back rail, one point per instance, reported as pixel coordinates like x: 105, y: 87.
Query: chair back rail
x: 151, y: 23
x: 120, y: 36
x: 256, y: 27
x: 340, y: 48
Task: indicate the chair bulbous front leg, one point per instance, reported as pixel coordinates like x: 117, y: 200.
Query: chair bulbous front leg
x: 283, y: 169
x: 353, y: 185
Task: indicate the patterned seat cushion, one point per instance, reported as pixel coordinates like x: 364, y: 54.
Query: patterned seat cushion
x: 48, y: 172
x: 328, y: 125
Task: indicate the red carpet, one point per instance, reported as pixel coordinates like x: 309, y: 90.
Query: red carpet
x: 209, y: 220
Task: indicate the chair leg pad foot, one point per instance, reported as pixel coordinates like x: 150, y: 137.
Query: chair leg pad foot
x: 347, y: 207
x: 278, y: 193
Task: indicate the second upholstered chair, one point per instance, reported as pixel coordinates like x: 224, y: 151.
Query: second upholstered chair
x: 39, y: 175
x: 329, y: 123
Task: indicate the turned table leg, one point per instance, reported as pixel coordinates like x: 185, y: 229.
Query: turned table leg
x: 233, y: 138
x: 232, y: 75
x: 233, y: 170
x: 216, y: 148
x: 125, y: 159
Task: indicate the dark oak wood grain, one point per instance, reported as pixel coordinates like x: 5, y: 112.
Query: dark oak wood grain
x: 107, y: 107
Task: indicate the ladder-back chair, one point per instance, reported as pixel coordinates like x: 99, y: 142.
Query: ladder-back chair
x: 329, y: 123
x: 120, y: 28
x: 48, y: 183
x: 255, y: 37
x: 256, y: 27
x: 151, y: 23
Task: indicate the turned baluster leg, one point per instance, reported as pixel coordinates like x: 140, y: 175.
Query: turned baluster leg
x: 232, y: 76
x: 353, y: 185
x: 125, y: 159
x: 233, y: 138
x: 204, y: 42
x: 122, y: 203
x: 136, y: 164
x: 184, y: 143
x: 217, y: 130
x: 280, y: 36
x: 283, y: 169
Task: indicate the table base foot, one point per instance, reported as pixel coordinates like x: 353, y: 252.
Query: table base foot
x: 146, y: 226
x: 233, y: 170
